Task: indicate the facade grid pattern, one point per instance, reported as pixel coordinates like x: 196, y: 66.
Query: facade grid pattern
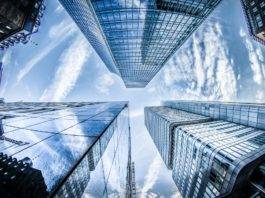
x: 161, y: 121
x: 70, y: 144
x: 254, y: 11
x: 213, y: 157
x: 248, y: 114
x: 141, y: 36
x: 210, y: 164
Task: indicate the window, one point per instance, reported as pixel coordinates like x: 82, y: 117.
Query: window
x: 258, y: 18
x: 260, y: 24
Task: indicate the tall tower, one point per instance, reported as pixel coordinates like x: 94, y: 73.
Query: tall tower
x: 136, y: 38
x: 19, y: 19
x: 64, y: 149
x: 216, y: 149
x: 254, y: 11
x: 130, y: 178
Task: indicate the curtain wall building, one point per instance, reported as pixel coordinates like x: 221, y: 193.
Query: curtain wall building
x: 136, y: 38
x: 19, y: 19
x: 221, y: 153
x: 254, y: 11
x: 64, y: 149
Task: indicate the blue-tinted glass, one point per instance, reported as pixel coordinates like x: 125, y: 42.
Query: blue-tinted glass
x: 67, y: 143
x: 136, y: 38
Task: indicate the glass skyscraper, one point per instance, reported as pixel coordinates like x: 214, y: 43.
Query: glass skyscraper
x: 64, y: 149
x: 220, y: 155
x: 166, y: 120
x: 136, y: 38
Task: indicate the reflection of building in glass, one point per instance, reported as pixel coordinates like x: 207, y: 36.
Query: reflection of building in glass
x: 68, y: 143
x: 254, y: 11
x: 18, y: 20
x: 130, y: 178
x: 136, y: 38
x: 221, y: 156
x: 20, y: 174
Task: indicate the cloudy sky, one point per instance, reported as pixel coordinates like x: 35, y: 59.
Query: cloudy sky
x: 218, y: 62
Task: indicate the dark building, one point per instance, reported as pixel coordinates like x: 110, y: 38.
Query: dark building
x: 222, y: 155
x: 18, y: 20
x: 66, y: 149
x: 254, y: 11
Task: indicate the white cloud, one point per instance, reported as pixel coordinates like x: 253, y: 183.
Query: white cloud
x: 104, y: 83
x: 260, y: 96
x: 6, y: 57
x: 59, y: 9
x: 57, y: 34
x: 151, y: 176
x: 136, y: 113
x: 256, y: 59
x: 202, y: 68
x: 177, y: 194
x: 71, y: 61
x: 151, y: 89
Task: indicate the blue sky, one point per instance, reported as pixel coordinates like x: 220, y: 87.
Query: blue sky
x: 218, y: 62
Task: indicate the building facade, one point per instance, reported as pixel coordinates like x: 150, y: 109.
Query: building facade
x: 68, y: 148
x: 135, y: 39
x: 19, y: 19
x: 254, y: 11
x: 166, y: 120
x: 214, y: 157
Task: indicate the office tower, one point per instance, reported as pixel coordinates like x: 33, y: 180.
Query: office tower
x: 160, y: 122
x: 63, y: 148
x: 136, y: 38
x: 19, y: 19
x: 254, y: 11
x: 221, y: 156
x: 249, y: 114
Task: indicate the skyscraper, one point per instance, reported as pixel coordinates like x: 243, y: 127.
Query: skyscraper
x: 64, y: 149
x: 19, y: 19
x: 166, y: 120
x: 136, y: 38
x: 221, y: 156
x: 254, y: 11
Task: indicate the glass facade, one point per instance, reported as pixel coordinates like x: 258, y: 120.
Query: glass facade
x: 209, y: 165
x: 215, y: 156
x: 254, y: 11
x: 161, y: 121
x: 18, y: 20
x: 139, y: 36
x: 248, y: 114
x: 76, y: 148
